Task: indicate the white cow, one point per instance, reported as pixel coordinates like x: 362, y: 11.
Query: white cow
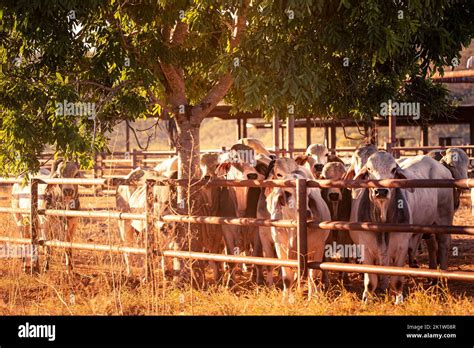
x: 386, y: 205
x: 60, y: 197
x: 453, y: 164
x: 281, y: 203
x: 21, y: 199
x: 425, y: 206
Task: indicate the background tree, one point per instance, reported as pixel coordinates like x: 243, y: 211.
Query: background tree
x: 180, y: 58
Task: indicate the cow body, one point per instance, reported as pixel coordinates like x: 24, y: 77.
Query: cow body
x: 386, y: 206
x: 59, y: 197
x: 281, y: 204
x: 453, y: 164
x: 202, y: 238
x: 243, y: 201
x: 339, y: 202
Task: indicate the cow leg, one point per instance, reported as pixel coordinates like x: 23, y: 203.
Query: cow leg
x: 216, y: 266
x: 316, y: 244
x: 47, y: 249
x: 70, y: 226
x: 257, y: 252
x: 177, y: 264
x: 370, y: 280
x: 413, y: 250
x: 444, y: 243
x: 24, y: 233
x: 230, y: 236
x: 47, y: 235
x: 267, y: 250
x: 127, y: 235
x: 282, y: 250
x: 432, y: 245
x: 438, y: 249
x: 397, y: 255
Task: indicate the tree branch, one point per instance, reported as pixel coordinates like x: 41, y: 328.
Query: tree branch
x: 220, y: 89
x: 179, y: 34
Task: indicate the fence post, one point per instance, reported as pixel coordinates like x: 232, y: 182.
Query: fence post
x: 100, y: 164
x: 134, y: 158
x: 95, y: 164
x: 34, y: 224
x: 149, y: 233
x: 302, y: 237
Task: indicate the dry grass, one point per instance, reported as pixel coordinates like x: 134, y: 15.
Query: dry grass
x: 98, y: 286
x: 45, y: 295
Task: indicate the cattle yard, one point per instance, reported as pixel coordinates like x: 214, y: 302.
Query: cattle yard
x: 102, y: 239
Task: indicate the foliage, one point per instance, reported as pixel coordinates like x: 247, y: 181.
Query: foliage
x: 135, y: 59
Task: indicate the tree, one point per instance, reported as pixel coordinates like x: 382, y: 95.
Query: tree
x: 180, y: 58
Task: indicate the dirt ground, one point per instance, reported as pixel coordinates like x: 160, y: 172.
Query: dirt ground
x: 98, y: 285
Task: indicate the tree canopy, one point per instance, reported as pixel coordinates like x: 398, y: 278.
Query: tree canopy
x: 178, y: 59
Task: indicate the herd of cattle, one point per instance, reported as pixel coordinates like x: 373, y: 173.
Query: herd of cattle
x: 387, y: 205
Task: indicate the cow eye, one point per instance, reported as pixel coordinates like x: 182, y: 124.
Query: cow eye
x: 279, y: 175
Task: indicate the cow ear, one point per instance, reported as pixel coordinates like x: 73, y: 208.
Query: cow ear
x: 135, y: 175
x: 261, y: 168
x: 399, y: 174
x: 282, y: 199
x: 268, y: 191
x: 301, y: 159
x: 223, y: 168
x: 349, y: 174
x: 362, y: 175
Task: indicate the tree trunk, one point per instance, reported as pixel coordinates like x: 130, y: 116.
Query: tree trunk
x: 188, y: 149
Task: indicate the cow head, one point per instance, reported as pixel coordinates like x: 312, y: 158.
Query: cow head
x: 283, y: 167
x: 457, y: 161
x: 209, y: 163
x: 359, y: 158
x: 240, y: 163
x: 316, y: 156
x: 437, y: 155
x: 381, y: 165
x: 69, y: 170
x: 281, y: 201
x: 333, y: 195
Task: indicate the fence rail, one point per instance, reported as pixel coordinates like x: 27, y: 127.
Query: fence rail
x: 300, y: 224
x: 120, y: 161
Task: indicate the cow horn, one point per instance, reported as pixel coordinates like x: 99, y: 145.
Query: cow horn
x: 55, y: 165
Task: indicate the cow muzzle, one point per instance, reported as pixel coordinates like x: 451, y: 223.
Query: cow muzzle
x: 381, y: 193
x: 68, y: 192
x: 318, y: 167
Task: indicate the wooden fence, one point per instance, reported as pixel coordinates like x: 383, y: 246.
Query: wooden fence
x: 120, y: 162
x: 300, y: 224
